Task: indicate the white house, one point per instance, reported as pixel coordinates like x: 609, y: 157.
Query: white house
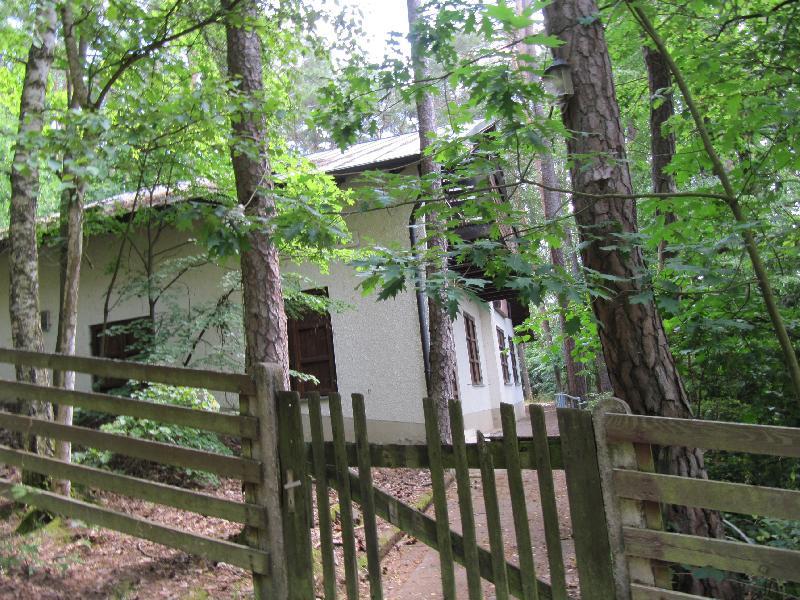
x: 377, y: 348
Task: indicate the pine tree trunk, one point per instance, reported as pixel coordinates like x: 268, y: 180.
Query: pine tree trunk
x: 641, y: 366
x: 443, y: 380
x: 26, y: 331
x: 266, y: 335
x: 662, y: 146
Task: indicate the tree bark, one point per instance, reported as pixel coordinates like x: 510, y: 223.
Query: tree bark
x: 266, y: 335
x: 26, y: 331
x: 443, y: 380
x: 662, y: 145
x: 732, y: 200
x: 71, y: 229
x: 551, y: 204
x: 641, y: 366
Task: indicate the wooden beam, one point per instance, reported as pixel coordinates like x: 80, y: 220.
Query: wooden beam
x: 161, y: 493
x: 227, y: 466
x: 713, y: 435
x: 209, y: 548
x: 235, y: 425
x: 736, y: 557
x: 118, y: 369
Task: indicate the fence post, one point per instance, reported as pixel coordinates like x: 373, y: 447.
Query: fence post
x: 589, y: 530
x: 296, y: 505
x: 622, y: 512
x: 267, y: 494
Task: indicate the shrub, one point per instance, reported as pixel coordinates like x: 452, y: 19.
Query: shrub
x: 156, y: 431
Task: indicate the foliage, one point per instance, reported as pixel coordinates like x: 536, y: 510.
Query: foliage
x: 162, y: 432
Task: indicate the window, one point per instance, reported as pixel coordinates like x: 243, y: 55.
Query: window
x: 472, y: 351
x: 311, y: 350
x: 501, y: 307
x: 501, y: 344
x: 122, y: 340
x: 513, y: 352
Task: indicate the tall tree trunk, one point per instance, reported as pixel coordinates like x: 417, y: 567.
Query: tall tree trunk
x: 71, y: 229
x: 443, y: 380
x: 527, y: 388
x: 551, y: 204
x: 547, y: 332
x: 732, y: 200
x: 266, y: 334
x: 641, y: 366
x: 662, y: 146
x: 26, y: 331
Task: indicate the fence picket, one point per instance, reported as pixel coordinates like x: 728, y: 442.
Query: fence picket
x: 493, y: 520
x: 519, y: 510
x: 367, y: 498
x: 345, y: 496
x: 547, y: 494
x: 443, y: 541
x: 465, y: 501
x: 323, y: 503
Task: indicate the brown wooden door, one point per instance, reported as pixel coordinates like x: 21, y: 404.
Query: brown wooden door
x: 311, y: 352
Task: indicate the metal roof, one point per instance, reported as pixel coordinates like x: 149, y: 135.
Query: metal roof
x: 394, y: 151
x: 368, y: 154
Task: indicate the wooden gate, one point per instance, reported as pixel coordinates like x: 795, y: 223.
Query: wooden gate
x: 330, y: 463
x: 256, y: 467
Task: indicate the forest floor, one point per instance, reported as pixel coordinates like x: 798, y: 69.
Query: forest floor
x: 69, y: 560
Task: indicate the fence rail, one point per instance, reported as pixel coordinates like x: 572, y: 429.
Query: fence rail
x: 249, y: 468
x: 633, y: 490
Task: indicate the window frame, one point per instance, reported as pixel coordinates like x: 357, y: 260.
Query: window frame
x: 501, y: 345
x: 512, y: 351
x: 473, y: 350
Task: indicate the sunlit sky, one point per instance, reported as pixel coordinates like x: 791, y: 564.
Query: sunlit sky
x: 380, y: 18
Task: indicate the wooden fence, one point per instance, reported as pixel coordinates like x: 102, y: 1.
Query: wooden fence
x: 256, y: 466
x: 331, y: 462
x: 615, y: 496
x: 635, y: 496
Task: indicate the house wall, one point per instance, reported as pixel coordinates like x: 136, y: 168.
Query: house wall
x: 377, y: 344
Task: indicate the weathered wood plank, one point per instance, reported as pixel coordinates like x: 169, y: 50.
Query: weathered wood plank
x: 415, y: 456
x: 423, y: 527
x: 227, y: 466
x: 345, y: 489
x: 714, y: 435
x: 295, y: 508
x: 703, y: 493
x: 323, y: 501
x: 161, y: 493
x: 444, y: 545
x: 646, y: 592
x: 212, y: 549
x: 587, y: 513
x: 465, y: 501
x: 266, y: 493
x: 367, y: 499
x: 737, y: 557
x: 547, y: 494
x: 115, y: 405
x: 493, y: 520
x: 518, y: 508
x: 118, y: 369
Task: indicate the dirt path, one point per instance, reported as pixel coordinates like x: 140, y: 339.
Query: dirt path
x: 411, y: 570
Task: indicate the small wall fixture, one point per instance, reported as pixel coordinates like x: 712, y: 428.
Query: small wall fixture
x: 558, y: 80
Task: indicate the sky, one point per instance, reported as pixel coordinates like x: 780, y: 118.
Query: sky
x: 380, y: 18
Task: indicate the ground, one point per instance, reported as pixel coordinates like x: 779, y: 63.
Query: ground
x: 68, y: 560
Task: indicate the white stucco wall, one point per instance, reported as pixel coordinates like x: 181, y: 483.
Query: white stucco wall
x: 377, y: 344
